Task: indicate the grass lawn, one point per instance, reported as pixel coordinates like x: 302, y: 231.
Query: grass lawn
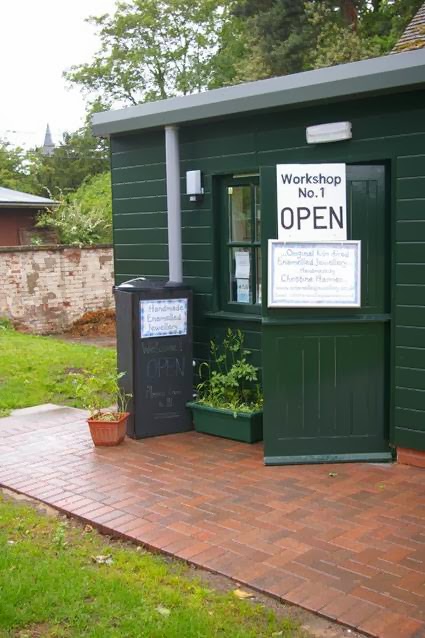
x: 52, y: 586
x: 35, y: 370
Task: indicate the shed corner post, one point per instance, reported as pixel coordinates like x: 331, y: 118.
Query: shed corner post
x: 175, y: 265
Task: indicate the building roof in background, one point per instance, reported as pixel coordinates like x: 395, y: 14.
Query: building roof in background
x: 13, y: 199
x: 386, y: 74
x: 414, y: 35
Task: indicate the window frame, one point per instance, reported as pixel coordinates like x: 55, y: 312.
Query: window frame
x: 225, y: 246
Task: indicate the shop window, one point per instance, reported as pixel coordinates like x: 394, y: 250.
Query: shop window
x: 241, y: 245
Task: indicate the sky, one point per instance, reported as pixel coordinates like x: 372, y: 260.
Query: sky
x: 39, y: 40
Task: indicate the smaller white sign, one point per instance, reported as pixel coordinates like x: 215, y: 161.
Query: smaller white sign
x: 242, y: 291
x: 314, y: 274
x: 242, y: 265
x: 163, y: 318
x: 311, y: 202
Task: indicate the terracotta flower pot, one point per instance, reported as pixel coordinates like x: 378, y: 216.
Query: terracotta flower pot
x: 107, y: 433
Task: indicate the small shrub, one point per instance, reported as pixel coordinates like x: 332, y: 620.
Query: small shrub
x: 84, y: 217
x: 95, y: 388
x: 5, y: 324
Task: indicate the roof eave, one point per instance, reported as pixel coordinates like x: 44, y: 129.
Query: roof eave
x: 27, y: 205
x: 368, y: 77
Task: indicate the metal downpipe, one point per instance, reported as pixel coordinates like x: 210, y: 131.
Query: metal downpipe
x: 175, y: 264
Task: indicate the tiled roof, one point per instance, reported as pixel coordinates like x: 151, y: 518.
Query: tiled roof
x: 414, y: 34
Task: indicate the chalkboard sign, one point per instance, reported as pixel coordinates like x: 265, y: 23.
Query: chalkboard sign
x: 164, y: 385
x: 154, y: 330
x: 314, y: 274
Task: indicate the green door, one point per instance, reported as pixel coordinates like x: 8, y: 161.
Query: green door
x: 325, y: 370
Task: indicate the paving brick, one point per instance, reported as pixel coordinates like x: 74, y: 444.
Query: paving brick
x: 345, y: 548
x: 405, y: 628
x: 339, y: 605
x: 376, y: 624
x: 359, y: 613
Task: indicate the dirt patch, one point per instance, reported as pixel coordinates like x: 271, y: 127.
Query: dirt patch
x: 96, y: 323
x: 73, y: 371
x: 40, y: 630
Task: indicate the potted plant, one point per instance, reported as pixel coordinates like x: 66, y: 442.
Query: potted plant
x: 229, y: 399
x: 94, y: 389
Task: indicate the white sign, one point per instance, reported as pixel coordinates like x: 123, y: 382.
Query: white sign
x: 314, y: 275
x: 242, y: 291
x: 311, y: 202
x: 163, y: 318
x: 242, y: 265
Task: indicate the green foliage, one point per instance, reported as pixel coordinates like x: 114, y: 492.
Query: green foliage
x: 154, y: 49
x: 13, y: 171
x: 59, y: 537
x: 66, y: 593
x: 5, y: 323
x: 95, y: 193
x: 231, y: 381
x: 83, y: 218
x: 36, y: 370
x: 94, y: 388
x: 289, y: 36
x: 336, y: 41
x: 281, y: 31
x: 76, y: 159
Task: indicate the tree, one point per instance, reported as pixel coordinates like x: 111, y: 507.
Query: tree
x: 282, y: 31
x: 338, y: 38
x: 154, y: 49
x: 84, y: 217
x: 78, y: 157
x: 13, y: 170
x: 294, y: 35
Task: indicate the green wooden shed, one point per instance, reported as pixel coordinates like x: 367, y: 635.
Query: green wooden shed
x: 340, y: 383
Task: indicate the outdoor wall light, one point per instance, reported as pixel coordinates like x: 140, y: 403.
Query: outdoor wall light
x: 193, y: 185
x: 333, y: 132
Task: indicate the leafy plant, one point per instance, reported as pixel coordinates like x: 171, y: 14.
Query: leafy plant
x: 5, y: 323
x: 154, y: 49
x: 228, y: 380
x: 59, y: 537
x: 77, y: 226
x: 95, y: 387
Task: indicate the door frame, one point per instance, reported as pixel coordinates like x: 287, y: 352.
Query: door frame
x: 272, y: 318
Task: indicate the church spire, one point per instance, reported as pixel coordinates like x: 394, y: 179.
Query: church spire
x: 48, y: 146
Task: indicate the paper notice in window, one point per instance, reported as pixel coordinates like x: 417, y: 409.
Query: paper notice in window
x: 242, y: 291
x: 242, y: 265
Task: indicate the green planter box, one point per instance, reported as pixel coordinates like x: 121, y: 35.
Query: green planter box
x: 245, y: 426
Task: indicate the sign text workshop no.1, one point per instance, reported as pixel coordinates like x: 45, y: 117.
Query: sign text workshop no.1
x: 311, y: 202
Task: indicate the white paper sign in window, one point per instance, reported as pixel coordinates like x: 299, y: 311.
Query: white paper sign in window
x: 242, y: 265
x: 163, y: 318
x: 243, y: 294
x: 314, y: 275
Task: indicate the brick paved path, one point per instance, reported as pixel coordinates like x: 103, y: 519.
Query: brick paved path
x: 350, y: 546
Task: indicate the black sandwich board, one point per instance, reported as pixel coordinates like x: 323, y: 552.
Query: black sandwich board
x: 154, y: 349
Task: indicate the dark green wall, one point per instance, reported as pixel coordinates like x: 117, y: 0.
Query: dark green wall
x: 389, y: 130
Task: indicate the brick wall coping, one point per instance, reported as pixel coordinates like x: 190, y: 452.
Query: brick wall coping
x: 55, y: 247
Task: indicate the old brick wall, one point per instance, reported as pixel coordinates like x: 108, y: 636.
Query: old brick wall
x: 45, y: 289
